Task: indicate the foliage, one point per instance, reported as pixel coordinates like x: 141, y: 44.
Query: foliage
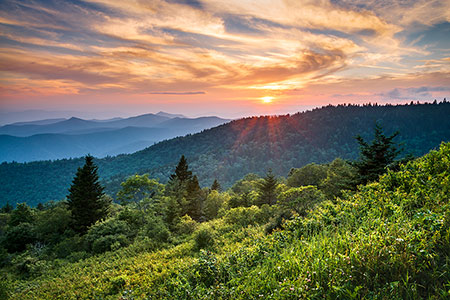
x: 267, y: 189
x: 18, y: 237
x: 388, y: 240
x: 22, y: 214
x: 341, y: 176
x: 216, y: 186
x: 7, y: 208
x: 204, y: 237
x: 194, y: 199
x: 139, y: 189
x: 52, y: 225
x: 182, y: 172
x: 85, y: 197
x: 213, y: 203
x: 107, y: 235
x: 250, y: 145
x: 186, y: 225
x: 156, y: 229
x: 376, y: 156
x: 245, y: 216
x: 311, y: 174
x: 301, y: 199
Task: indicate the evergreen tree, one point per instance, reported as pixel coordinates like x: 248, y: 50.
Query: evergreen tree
x: 85, y: 199
x: 376, y: 156
x: 7, y: 208
x: 182, y: 172
x: 194, y: 197
x: 216, y: 186
x: 267, y: 189
x: 177, y: 186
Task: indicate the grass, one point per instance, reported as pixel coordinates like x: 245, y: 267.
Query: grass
x: 390, y: 240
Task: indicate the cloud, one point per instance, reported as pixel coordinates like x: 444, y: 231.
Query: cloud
x: 424, y: 92
x: 176, y: 46
x: 177, y: 93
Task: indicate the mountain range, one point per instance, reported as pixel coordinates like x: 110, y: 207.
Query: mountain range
x: 230, y: 151
x: 64, y: 138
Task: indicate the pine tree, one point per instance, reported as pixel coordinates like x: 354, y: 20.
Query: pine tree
x: 7, y: 208
x: 85, y: 199
x: 182, y: 172
x: 216, y: 186
x: 267, y: 189
x: 376, y: 156
x: 194, y: 199
x: 177, y: 185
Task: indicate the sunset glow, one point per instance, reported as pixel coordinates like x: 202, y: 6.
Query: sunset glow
x: 267, y: 99
x: 202, y: 57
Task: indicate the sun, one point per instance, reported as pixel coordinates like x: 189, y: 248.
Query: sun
x: 267, y: 99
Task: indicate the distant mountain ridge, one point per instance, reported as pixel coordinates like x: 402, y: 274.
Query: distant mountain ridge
x: 75, y: 137
x: 230, y: 151
x: 164, y: 114
x: 39, y: 122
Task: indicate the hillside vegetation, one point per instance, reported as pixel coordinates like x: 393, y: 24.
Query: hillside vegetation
x: 251, y: 145
x: 389, y: 239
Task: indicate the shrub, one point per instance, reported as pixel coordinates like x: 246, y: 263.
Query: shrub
x: 244, y: 216
x: 204, y: 237
x: 52, y: 224
x: 213, y: 203
x: 311, y: 174
x: 206, y: 270
x: 301, y: 199
x: 186, y: 225
x: 68, y: 246
x: 18, y: 237
x: 156, y: 229
x: 107, y: 235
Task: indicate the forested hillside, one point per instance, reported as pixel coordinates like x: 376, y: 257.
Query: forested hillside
x: 230, y: 151
x: 261, y: 239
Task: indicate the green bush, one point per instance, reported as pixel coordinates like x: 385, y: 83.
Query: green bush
x: 18, y: 237
x: 156, y: 229
x: 205, y: 270
x: 311, y: 174
x: 4, y: 288
x: 301, y: 199
x: 204, y: 237
x: 244, y: 216
x: 186, y: 225
x: 67, y: 246
x: 52, y: 224
x: 107, y: 235
x: 213, y: 203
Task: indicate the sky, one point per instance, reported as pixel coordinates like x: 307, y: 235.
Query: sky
x: 228, y: 58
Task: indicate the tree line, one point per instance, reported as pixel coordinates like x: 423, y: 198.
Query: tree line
x: 160, y: 215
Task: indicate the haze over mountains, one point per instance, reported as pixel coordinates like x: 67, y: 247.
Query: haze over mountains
x: 230, y: 151
x: 64, y: 138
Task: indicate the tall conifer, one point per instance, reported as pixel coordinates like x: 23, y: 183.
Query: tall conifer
x: 267, y: 189
x: 216, y: 186
x: 85, y: 197
x: 376, y: 156
x: 194, y: 197
x: 182, y: 172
